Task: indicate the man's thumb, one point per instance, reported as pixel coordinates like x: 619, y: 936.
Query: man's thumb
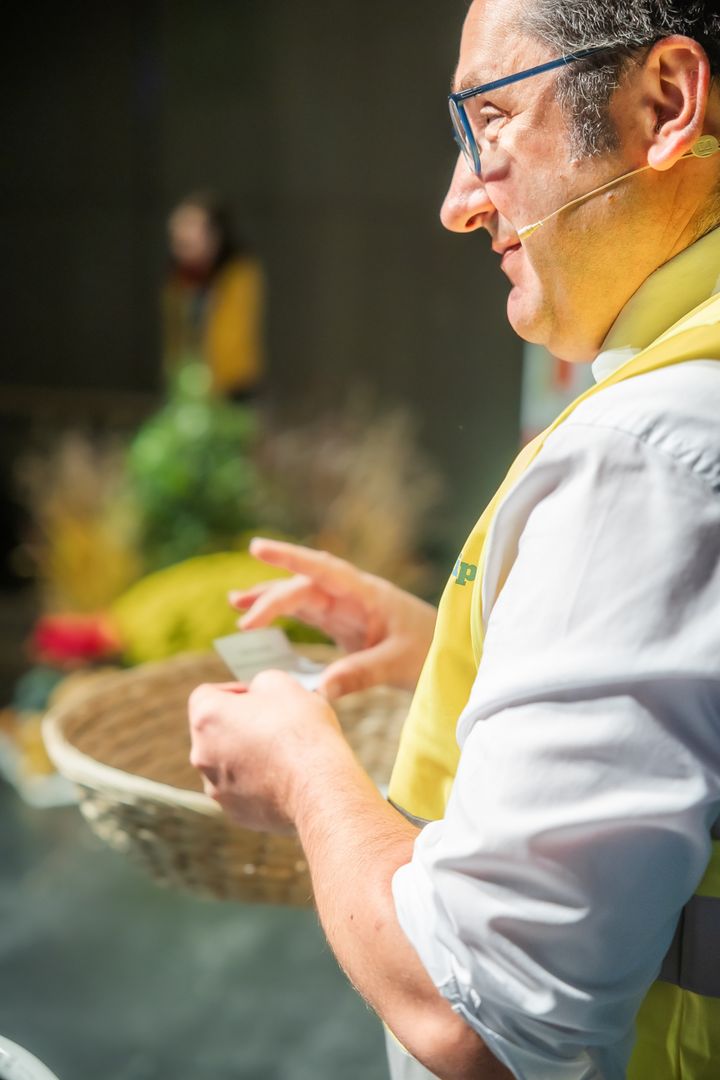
x: 355, y: 672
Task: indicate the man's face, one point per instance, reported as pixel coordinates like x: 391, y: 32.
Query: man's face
x: 568, y: 283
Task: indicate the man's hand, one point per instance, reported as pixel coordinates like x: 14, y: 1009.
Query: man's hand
x: 272, y: 754
x: 249, y: 743
x: 386, y: 631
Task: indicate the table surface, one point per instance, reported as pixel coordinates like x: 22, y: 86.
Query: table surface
x: 106, y: 976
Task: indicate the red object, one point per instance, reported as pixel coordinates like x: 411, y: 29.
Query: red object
x: 73, y: 639
x: 562, y: 374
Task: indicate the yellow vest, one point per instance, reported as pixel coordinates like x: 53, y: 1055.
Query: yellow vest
x: 678, y: 1030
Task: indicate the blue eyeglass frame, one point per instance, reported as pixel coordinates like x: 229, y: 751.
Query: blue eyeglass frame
x: 465, y: 138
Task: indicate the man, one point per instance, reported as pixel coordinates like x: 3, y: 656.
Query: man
x: 577, y: 642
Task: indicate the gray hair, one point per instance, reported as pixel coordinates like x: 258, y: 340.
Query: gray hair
x: 627, y: 26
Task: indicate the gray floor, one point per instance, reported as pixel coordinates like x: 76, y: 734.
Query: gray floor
x: 105, y: 976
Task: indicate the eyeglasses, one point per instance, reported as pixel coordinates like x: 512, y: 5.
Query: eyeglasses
x: 464, y: 134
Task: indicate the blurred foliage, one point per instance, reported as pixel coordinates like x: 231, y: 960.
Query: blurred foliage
x: 191, y: 473
x: 356, y: 482
x: 83, y: 545
x: 33, y: 689
x: 156, y: 531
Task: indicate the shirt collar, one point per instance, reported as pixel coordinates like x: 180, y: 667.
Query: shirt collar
x: 669, y: 293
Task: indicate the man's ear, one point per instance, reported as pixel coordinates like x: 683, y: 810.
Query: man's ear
x: 677, y: 74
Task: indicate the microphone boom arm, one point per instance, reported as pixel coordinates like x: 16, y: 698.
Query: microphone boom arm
x: 705, y: 147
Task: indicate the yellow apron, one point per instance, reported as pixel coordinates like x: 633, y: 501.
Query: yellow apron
x: 678, y: 1030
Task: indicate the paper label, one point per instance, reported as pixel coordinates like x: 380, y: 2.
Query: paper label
x: 249, y: 652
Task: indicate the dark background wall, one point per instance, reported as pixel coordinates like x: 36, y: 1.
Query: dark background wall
x: 326, y: 125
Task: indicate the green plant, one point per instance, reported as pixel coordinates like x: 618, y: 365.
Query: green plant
x: 191, y: 473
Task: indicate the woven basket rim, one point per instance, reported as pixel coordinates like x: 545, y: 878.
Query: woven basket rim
x: 114, y: 783
x: 88, y: 772
x: 182, y: 836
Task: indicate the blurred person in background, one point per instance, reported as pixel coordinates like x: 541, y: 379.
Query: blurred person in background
x: 213, y: 298
x: 546, y: 904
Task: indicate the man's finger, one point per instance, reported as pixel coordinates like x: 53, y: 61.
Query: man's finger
x: 334, y: 574
x: 272, y: 681
x: 244, y: 598
x: 206, y: 691
x: 286, y: 598
x: 359, y: 671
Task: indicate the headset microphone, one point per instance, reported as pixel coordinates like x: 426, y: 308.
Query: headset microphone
x: 705, y: 147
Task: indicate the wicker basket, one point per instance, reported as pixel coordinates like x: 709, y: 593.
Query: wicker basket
x: 124, y: 741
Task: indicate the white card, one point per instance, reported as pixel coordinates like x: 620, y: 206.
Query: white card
x: 251, y: 651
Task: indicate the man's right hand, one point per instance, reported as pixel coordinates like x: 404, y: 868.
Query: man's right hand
x: 385, y: 631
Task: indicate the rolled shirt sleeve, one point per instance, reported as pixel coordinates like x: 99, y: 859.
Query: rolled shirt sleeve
x: 542, y: 905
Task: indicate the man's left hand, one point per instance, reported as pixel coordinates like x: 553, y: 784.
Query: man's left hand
x: 251, y: 745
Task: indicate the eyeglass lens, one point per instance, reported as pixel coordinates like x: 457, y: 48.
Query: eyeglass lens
x: 464, y: 139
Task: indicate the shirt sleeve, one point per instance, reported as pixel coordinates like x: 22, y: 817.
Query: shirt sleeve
x: 542, y: 905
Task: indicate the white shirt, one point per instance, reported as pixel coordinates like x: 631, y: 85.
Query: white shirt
x: 544, y: 902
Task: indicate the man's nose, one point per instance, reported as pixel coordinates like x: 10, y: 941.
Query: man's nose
x: 466, y: 206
